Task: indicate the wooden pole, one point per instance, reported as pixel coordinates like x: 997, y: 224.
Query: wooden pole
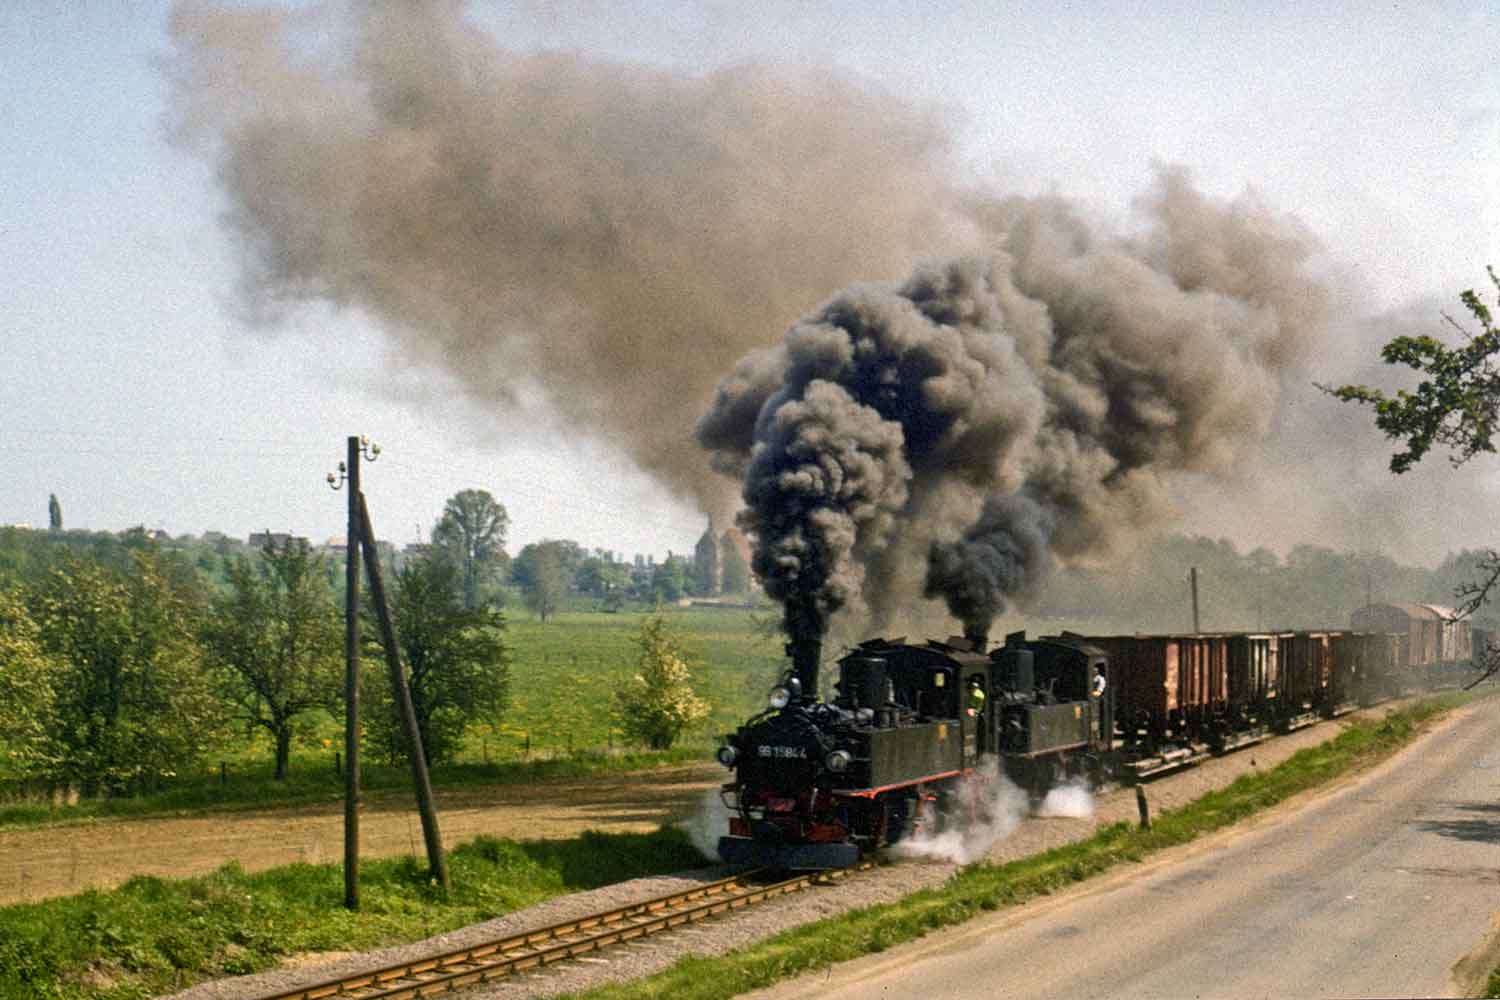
x: 351, y: 684
x: 415, y: 752
x: 1142, y: 808
x: 1194, y: 575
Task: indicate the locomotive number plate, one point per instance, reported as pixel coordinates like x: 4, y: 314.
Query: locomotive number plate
x: 799, y: 753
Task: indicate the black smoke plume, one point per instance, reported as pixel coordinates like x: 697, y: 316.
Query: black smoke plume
x: 1031, y: 404
x: 1001, y: 557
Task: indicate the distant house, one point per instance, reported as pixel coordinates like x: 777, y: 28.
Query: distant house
x: 260, y: 539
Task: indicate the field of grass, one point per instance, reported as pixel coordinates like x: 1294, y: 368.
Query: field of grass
x: 559, y: 724
x: 564, y: 671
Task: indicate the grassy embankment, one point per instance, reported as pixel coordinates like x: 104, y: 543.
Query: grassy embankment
x: 152, y: 935
x: 559, y: 723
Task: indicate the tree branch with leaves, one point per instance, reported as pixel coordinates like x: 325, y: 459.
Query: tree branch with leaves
x: 1456, y: 405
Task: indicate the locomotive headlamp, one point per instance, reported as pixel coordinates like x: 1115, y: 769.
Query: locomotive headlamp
x: 727, y: 755
x: 838, y: 762
x: 780, y: 697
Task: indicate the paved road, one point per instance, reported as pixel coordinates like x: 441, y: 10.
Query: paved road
x: 1386, y: 886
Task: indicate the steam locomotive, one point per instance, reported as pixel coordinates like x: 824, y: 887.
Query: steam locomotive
x: 818, y: 784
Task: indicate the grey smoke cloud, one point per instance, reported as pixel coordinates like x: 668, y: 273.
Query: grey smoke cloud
x: 614, y: 239
x: 610, y: 237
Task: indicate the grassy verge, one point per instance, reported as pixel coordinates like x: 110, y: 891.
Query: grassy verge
x: 152, y: 935
x: 981, y: 888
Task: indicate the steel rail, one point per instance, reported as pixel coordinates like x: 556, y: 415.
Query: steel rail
x: 544, y: 946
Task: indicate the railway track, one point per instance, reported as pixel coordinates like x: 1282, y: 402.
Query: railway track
x: 571, y: 939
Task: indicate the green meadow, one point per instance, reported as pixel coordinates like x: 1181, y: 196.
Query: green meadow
x: 564, y: 672
x: 560, y: 723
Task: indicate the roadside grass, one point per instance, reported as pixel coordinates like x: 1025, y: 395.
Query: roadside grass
x: 982, y: 888
x: 153, y: 935
x: 559, y: 725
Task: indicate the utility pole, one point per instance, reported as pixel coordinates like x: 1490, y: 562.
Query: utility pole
x: 349, y: 473
x: 402, y: 692
x: 1193, y: 575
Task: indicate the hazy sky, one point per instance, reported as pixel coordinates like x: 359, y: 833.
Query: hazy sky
x: 130, y: 388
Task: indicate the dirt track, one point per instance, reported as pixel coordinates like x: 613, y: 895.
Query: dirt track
x: 56, y: 861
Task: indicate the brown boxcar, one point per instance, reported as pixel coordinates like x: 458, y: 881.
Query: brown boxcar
x: 1306, y: 667
x: 1254, y: 672
x: 1385, y: 660
x: 1143, y: 673
x: 1350, y: 677
x: 1422, y: 626
x: 1167, y: 687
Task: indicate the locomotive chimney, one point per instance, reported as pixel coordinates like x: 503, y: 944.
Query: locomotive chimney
x: 805, y: 654
x: 978, y: 634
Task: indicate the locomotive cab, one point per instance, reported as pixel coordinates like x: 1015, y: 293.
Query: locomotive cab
x: 1058, y: 707
x: 817, y: 783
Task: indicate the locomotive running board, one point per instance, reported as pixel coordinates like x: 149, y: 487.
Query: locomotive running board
x: 1172, y: 761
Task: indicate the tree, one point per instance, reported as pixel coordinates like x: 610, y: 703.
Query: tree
x: 706, y: 564
x: 603, y: 577
x: 1456, y: 404
x: 542, y: 571
x: 28, y: 677
x: 472, y: 531
x: 54, y: 513
x: 276, y: 638
x: 669, y: 578
x: 131, y: 702
x: 657, y: 702
x: 735, y: 576
x: 459, y: 667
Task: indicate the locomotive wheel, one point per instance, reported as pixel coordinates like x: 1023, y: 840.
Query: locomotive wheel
x: 1046, y: 774
x: 900, y: 816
